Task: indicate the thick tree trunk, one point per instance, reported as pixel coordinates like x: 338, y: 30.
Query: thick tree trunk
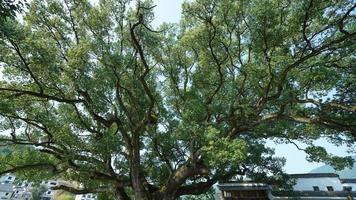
x: 168, y: 197
x: 139, y: 189
x: 124, y: 196
x: 120, y: 194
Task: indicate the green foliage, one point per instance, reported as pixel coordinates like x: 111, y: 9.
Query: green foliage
x: 104, y: 196
x: 210, y: 195
x: 219, y: 151
x: 38, y: 191
x: 66, y: 196
x: 345, y: 173
x: 9, y: 8
x: 91, y: 93
x: 319, y: 154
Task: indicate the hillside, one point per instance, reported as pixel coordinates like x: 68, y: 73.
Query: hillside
x: 346, y: 173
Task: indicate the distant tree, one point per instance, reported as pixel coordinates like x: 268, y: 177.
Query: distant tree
x: 66, y: 196
x: 38, y: 191
x: 104, y: 196
x: 209, y: 195
x: 100, y: 98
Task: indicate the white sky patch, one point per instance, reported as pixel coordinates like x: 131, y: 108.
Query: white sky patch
x: 296, y: 159
x: 167, y: 11
x: 1, y: 71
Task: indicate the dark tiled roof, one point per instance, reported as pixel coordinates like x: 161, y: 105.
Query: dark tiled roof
x: 312, y: 193
x: 243, y: 186
x: 314, y: 175
x: 351, y: 180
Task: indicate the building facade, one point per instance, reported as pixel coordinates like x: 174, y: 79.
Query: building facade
x: 317, y: 182
x: 6, y: 186
x: 11, y: 190
x: 86, y: 197
x: 244, y: 191
x: 312, y: 186
x: 5, y: 191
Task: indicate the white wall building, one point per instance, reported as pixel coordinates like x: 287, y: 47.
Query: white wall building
x: 22, y: 191
x: 317, y: 182
x: 8, y: 178
x: 6, y: 187
x: 5, y: 191
x: 49, y: 194
x: 85, y: 197
x: 319, y: 186
x: 349, y: 183
x: 315, y: 186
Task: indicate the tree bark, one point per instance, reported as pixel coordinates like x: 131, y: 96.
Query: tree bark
x: 120, y: 194
x: 139, y: 189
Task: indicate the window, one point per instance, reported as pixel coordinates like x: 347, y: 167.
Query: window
x: 53, y: 183
x: 227, y: 194
x: 347, y: 188
x: 330, y: 188
x: 9, y: 178
x: 6, y: 193
x: 316, y: 188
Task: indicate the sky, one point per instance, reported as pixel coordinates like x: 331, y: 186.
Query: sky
x: 167, y: 11
x: 170, y: 11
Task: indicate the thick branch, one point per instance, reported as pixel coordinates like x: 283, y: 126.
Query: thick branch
x: 41, y: 166
x: 79, y: 191
x: 18, y: 92
x: 182, y: 173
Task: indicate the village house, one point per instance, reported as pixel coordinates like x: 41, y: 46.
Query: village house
x: 316, y: 186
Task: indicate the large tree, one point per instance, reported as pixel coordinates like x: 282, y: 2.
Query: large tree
x: 92, y: 93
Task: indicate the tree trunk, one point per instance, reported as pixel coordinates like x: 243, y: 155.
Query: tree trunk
x: 120, y: 194
x: 139, y: 189
x: 168, y: 197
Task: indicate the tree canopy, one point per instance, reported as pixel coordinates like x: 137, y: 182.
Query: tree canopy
x: 92, y: 93
x: 8, y: 8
